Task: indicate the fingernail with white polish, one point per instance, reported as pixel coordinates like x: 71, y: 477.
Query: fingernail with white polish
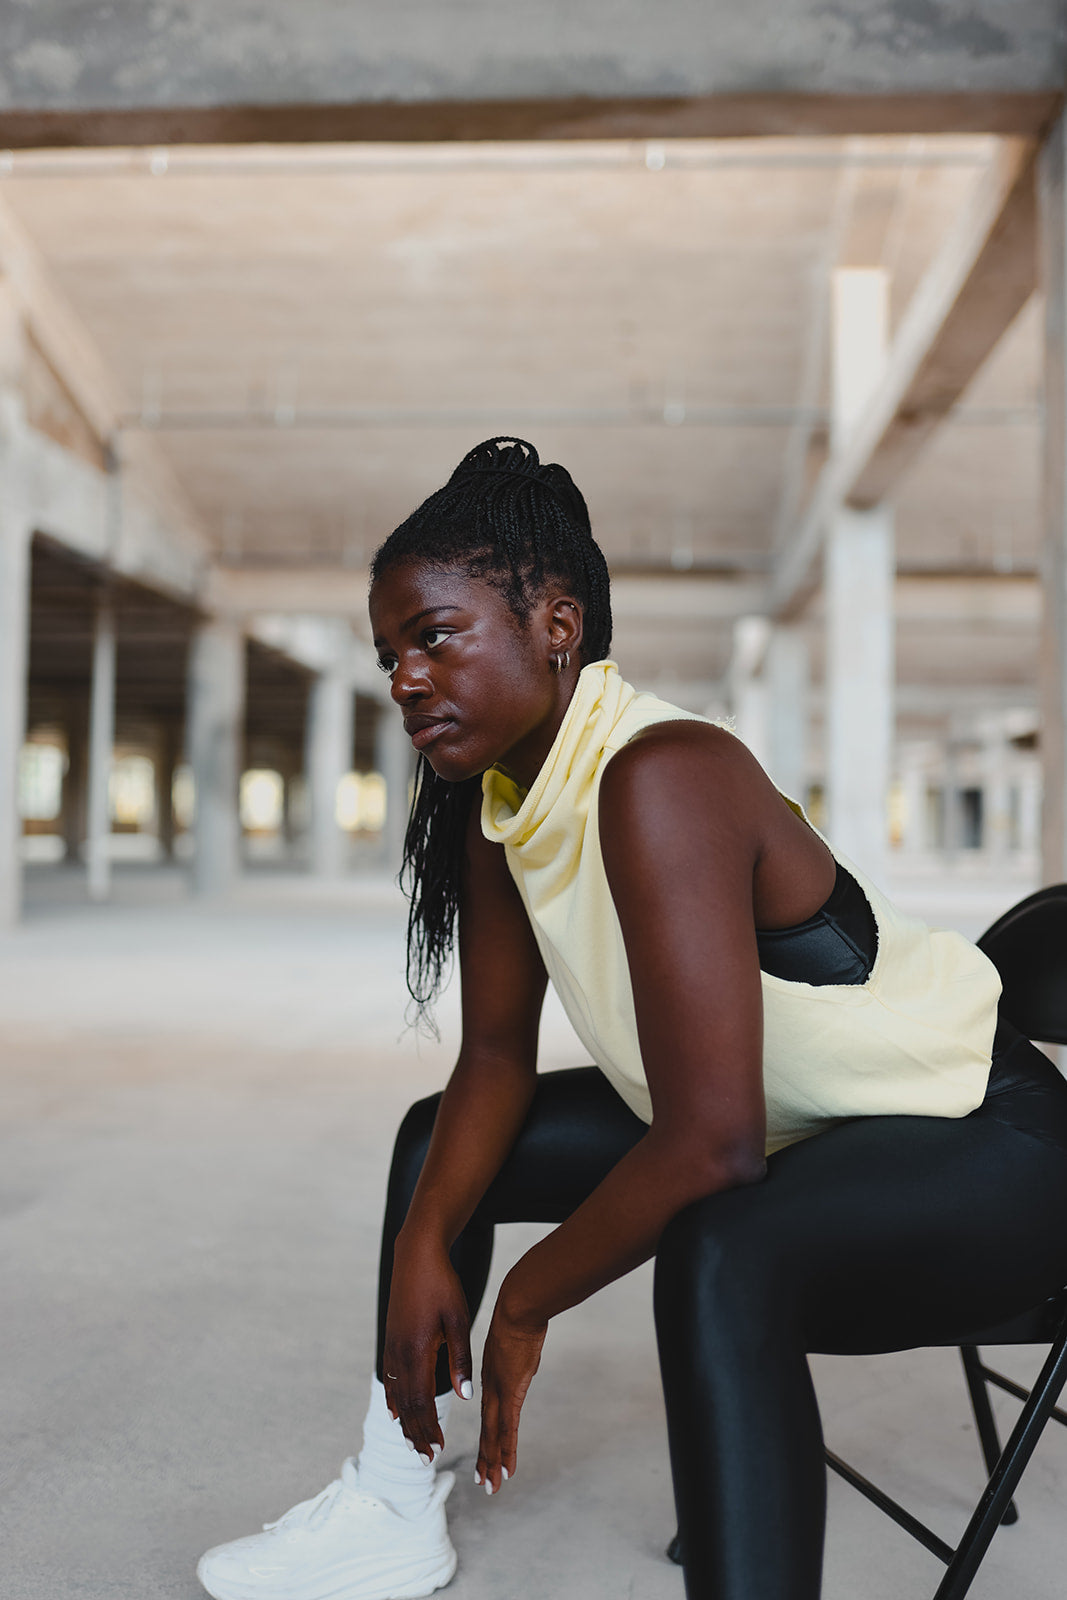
x: 466, y: 1389
x: 488, y: 1486
x: 478, y: 1479
x: 504, y: 1473
x: 429, y: 1459
x: 438, y: 1449
x: 409, y: 1442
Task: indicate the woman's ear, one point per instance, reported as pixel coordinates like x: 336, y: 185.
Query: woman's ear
x: 566, y: 625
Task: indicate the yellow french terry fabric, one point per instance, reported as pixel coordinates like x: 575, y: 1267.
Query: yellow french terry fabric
x: 914, y: 1039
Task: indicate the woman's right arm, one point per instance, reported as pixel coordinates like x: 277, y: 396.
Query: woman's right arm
x: 482, y: 1110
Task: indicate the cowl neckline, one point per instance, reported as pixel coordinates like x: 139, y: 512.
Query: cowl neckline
x: 523, y: 819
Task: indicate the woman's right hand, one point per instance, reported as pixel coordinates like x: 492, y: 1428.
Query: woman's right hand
x: 427, y: 1309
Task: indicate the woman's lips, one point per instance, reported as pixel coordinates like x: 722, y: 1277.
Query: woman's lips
x: 429, y: 731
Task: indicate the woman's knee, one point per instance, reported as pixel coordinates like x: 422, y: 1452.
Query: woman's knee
x: 713, y: 1258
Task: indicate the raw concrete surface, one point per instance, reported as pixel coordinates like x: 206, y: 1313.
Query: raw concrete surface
x: 199, y: 1104
x: 115, y: 53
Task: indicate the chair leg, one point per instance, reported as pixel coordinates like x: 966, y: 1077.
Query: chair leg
x: 983, y: 1417
x: 994, y: 1502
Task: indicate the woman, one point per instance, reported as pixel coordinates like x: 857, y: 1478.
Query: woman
x: 794, y: 1109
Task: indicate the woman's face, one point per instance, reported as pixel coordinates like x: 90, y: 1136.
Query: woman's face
x: 475, y: 684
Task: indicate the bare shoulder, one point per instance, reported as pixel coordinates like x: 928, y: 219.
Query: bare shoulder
x: 670, y: 762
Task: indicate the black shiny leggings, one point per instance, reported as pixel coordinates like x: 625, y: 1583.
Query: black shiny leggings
x: 883, y: 1233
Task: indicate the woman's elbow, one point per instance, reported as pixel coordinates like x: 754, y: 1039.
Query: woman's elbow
x: 715, y: 1166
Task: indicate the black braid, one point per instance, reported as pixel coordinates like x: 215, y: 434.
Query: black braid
x: 517, y: 524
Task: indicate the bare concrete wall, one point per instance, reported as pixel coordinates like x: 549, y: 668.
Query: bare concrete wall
x: 61, y: 55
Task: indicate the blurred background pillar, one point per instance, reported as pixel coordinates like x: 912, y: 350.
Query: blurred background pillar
x: 330, y: 729
x: 216, y: 707
x: 788, y: 671
x: 101, y: 750
x: 75, y: 817
x: 749, y: 701
x: 16, y: 530
x: 913, y: 790
x: 394, y: 760
x: 1053, y: 680
x: 859, y: 577
x: 168, y: 755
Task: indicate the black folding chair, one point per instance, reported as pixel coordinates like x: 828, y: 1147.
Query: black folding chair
x: 1028, y: 945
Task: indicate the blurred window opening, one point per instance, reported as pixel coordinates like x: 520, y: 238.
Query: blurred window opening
x: 41, y: 769
x: 262, y: 800
x: 971, y: 818
x: 361, y: 802
x: 132, y: 793
x: 183, y: 797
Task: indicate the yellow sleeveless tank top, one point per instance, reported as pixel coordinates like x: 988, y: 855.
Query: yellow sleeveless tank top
x: 914, y: 1039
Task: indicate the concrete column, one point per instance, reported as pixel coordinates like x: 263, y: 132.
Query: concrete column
x: 913, y: 784
x: 788, y: 672
x: 395, y: 761
x: 75, y: 818
x: 15, y: 535
x: 168, y: 754
x: 996, y: 793
x: 950, y: 805
x: 1030, y: 808
x: 215, y: 719
x: 16, y: 530
x: 101, y: 751
x: 1053, y: 671
x: 749, y: 697
x: 330, y: 731
x: 859, y: 576
x: 292, y: 774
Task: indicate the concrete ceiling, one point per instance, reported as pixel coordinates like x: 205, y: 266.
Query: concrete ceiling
x: 179, y: 69
x: 315, y: 335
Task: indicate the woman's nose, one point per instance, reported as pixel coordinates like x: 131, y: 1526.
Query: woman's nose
x: 409, y: 681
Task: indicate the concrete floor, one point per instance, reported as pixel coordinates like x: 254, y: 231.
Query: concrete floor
x: 199, y: 1104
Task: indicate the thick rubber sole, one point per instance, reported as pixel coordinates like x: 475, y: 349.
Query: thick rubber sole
x: 422, y: 1578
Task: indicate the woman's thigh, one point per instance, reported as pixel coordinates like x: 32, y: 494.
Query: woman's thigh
x: 890, y: 1232
x: 576, y: 1130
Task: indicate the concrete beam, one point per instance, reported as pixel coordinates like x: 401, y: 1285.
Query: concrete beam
x: 110, y: 518
x: 973, y: 292
x: 725, y: 116
x: 976, y: 286
x: 1006, y: 599
x: 342, y: 591
x: 256, y: 70
x: 314, y: 640
x: 156, y: 504
x: 58, y: 331
x: 274, y: 599
x: 953, y: 700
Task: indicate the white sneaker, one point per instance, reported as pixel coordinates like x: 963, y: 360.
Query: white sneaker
x: 343, y: 1545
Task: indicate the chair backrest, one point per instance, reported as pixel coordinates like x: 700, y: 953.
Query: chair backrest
x: 1028, y: 947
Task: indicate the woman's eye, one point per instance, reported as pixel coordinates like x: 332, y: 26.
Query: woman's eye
x: 433, y: 637
x: 387, y: 664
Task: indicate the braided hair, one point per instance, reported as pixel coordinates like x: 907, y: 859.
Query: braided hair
x: 517, y: 524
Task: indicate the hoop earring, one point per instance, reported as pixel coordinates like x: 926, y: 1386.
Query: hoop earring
x: 561, y: 662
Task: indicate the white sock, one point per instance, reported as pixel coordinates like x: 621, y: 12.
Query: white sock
x: 388, y: 1469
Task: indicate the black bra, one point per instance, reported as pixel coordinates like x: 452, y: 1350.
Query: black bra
x: 836, y: 945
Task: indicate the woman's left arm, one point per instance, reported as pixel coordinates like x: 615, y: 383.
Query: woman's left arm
x: 680, y: 810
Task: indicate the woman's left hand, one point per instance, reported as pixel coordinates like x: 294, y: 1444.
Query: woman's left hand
x: 511, y: 1357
